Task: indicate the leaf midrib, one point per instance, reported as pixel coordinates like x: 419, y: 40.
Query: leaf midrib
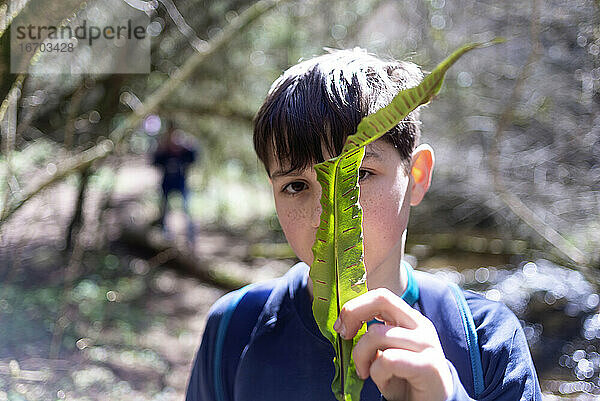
x: 337, y: 273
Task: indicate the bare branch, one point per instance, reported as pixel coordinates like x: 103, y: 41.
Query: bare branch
x: 179, y: 258
x: 513, y: 202
x: 8, y: 12
x: 8, y: 122
x: 219, y: 41
x: 72, y: 110
x: 74, y: 164
x: 118, y: 135
x: 183, y: 26
x: 72, y: 273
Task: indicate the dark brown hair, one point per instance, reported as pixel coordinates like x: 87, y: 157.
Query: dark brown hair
x: 316, y: 104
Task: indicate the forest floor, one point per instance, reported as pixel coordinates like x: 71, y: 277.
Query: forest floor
x: 131, y: 334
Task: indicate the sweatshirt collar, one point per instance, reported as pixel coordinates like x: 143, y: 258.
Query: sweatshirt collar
x: 298, y: 292
x: 411, y: 293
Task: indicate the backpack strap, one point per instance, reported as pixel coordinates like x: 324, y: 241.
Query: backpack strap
x: 239, y: 318
x: 446, y: 306
x: 471, y: 334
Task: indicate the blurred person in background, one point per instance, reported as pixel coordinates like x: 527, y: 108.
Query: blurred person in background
x: 174, y: 154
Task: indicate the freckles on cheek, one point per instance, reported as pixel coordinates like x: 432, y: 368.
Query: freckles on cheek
x: 376, y: 221
x: 382, y: 215
x: 296, y: 213
x: 292, y: 219
x: 295, y: 223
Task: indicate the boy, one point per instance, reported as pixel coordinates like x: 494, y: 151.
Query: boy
x: 268, y: 346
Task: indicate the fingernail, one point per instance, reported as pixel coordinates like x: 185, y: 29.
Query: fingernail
x: 358, y: 373
x: 342, y: 331
x: 340, y: 328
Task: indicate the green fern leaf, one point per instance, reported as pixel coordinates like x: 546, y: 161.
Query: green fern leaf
x: 338, y: 272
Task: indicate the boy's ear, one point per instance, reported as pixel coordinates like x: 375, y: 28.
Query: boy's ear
x: 421, y: 172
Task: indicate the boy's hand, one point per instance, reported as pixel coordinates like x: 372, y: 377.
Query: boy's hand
x: 404, y: 357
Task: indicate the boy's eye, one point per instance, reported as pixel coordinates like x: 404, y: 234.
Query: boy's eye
x: 363, y: 174
x: 294, y: 187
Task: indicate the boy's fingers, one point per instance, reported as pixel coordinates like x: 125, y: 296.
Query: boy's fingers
x: 394, y: 362
x: 380, y: 303
x: 423, y: 373
x: 380, y: 337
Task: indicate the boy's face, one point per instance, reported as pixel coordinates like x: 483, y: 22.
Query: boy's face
x: 385, y: 197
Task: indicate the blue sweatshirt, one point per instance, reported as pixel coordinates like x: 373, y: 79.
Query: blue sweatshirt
x: 287, y: 357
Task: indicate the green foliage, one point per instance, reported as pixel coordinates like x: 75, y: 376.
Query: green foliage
x: 338, y: 272
x: 19, y: 307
